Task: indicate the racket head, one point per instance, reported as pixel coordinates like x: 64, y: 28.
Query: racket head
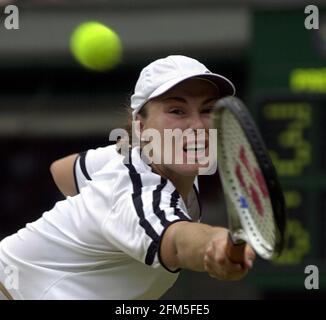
x: 254, y: 197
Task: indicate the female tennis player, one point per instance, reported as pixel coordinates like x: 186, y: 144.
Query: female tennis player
x: 127, y: 227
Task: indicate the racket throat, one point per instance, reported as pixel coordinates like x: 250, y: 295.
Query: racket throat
x: 238, y: 237
x: 237, y: 233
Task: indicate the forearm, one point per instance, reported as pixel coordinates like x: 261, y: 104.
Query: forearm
x: 192, y: 243
x: 200, y: 247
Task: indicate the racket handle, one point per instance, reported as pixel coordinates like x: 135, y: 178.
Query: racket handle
x: 235, y: 251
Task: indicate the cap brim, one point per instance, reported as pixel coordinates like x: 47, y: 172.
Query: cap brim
x: 225, y: 86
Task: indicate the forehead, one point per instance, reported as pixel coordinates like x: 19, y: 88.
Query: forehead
x: 193, y: 87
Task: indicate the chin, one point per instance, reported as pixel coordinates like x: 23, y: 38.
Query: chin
x: 188, y: 170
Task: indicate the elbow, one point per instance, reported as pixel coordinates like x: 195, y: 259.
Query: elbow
x: 53, y: 169
x: 57, y: 176
x: 62, y: 174
x: 56, y: 172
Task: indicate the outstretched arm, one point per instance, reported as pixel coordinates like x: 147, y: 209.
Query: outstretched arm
x: 201, y: 247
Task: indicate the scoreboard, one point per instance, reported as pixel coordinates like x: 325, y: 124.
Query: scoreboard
x: 288, y: 101
x: 292, y: 129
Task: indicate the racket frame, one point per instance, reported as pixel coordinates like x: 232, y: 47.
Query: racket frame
x: 241, y: 113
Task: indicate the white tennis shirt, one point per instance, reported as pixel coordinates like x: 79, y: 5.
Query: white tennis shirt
x: 104, y: 242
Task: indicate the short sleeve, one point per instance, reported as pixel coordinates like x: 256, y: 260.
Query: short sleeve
x: 139, y: 220
x: 89, y: 162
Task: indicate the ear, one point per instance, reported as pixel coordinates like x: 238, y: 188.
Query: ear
x: 141, y: 122
x: 138, y: 127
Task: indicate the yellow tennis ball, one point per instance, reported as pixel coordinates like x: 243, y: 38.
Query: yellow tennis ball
x: 96, y: 46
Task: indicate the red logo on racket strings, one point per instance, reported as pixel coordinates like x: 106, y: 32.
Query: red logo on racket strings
x: 257, y: 178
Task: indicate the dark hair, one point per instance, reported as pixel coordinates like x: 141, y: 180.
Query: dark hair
x: 127, y: 142
x: 128, y: 127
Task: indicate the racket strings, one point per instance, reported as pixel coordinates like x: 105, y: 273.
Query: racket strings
x: 248, y: 193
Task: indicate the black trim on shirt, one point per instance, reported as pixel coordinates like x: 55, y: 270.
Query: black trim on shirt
x: 198, y: 201
x: 138, y: 204
x: 174, y: 202
x: 154, y: 247
x: 157, y: 200
x: 82, y: 162
x: 75, y: 177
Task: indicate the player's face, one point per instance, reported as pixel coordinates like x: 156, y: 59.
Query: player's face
x: 188, y: 105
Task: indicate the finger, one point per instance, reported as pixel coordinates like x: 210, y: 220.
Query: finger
x: 235, y: 271
x: 220, y: 267
x: 250, y: 257
x: 233, y: 267
x: 213, y: 262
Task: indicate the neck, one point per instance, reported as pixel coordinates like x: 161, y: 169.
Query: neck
x: 183, y: 184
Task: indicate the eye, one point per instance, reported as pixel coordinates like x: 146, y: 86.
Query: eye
x: 177, y: 111
x: 208, y: 110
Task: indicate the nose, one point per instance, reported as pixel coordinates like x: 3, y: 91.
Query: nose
x: 196, y: 121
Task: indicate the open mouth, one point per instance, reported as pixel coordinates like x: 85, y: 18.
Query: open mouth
x: 194, y: 148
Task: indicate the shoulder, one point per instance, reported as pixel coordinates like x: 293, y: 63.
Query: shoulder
x: 97, y: 158
x: 130, y: 171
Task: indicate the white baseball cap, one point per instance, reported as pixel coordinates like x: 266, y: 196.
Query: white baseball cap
x: 163, y: 74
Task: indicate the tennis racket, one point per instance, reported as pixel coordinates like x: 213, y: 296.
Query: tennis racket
x: 253, y: 195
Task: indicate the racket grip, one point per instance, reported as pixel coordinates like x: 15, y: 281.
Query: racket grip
x: 235, y: 251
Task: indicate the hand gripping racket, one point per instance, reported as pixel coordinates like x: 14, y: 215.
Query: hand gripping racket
x: 253, y: 195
